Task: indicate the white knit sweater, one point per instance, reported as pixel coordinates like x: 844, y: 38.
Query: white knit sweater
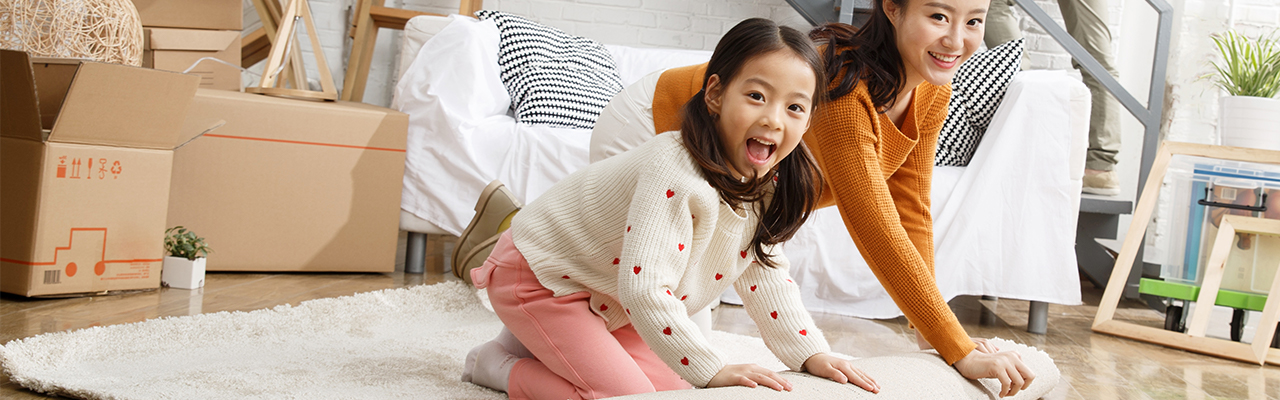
x: 652, y: 242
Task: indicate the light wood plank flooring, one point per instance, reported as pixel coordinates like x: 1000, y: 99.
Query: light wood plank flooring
x: 1094, y: 366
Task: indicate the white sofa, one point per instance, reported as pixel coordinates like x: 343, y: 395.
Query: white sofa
x: 1004, y: 225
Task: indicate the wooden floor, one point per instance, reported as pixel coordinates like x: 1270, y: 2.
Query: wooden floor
x: 1094, y: 366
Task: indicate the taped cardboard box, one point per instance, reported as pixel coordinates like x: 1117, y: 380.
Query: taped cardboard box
x: 291, y: 185
x: 192, y: 14
x: 85, y: 162
x: 179, y: 49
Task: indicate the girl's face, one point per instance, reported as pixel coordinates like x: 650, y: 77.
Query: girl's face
x: 935, y: 36
x: 764, y: 111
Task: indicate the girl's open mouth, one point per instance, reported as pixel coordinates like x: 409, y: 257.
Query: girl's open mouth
x: 760, y: 151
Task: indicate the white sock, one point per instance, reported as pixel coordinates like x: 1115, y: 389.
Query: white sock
x: 489, y: 365
x: 513, y: 345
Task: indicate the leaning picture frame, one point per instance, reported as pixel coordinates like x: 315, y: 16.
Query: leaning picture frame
x: 1194, y: 339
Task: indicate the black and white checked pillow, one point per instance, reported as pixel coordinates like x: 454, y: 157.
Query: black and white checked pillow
x: 976, y: 91
x: 554, y: 78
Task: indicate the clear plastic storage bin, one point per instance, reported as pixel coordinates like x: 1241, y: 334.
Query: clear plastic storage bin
x: 1204, y: 190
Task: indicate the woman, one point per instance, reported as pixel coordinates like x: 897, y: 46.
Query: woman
x: 875, y: 143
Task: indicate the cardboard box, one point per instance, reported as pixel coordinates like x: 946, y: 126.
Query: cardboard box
x: 291, y: 185
x: 85, y: 161
x: 192, y: 14
x: 179, y: 49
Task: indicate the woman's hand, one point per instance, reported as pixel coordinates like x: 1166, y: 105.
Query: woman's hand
x: 1006, y: 366
x: 983, y: 345
x: 749, y: 375
x: 839, y: 370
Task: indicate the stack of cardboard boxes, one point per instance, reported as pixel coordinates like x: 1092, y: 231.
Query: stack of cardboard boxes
x: 179, y: 33
x: 99, y: 159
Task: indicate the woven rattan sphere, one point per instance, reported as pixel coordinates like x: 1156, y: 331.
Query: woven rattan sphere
x: 101, y: 30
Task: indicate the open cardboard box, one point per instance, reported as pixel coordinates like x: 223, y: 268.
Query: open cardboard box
x: 192, y: 14
x: 179, y: 49
x: 291, y: 185
x: 85, y: 161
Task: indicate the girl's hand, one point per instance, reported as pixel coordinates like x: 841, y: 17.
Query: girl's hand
x: 749, y: 375
x: 839, y: 370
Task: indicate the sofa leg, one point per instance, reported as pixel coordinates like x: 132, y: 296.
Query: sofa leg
x: 414, y: 252
x: 1038, y: 318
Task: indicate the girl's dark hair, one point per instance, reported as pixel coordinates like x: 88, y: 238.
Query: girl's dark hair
x: 869, y: 54
x: 795, y: 181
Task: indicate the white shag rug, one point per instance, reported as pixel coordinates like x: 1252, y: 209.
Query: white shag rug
x: 396, y: 343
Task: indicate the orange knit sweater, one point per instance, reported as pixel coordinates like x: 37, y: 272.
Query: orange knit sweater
x: 879, y: 175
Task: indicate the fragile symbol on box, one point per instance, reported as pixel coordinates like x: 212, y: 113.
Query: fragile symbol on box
x: 62, y: 172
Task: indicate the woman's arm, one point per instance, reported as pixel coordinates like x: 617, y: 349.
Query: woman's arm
x: 887, y: 216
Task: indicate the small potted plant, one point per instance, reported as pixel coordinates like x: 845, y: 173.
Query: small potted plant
x: 184, y: 265
x: 1250, y: 73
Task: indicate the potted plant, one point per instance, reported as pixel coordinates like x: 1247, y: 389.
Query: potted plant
x: 1250, y: 73
x: 184, y: 264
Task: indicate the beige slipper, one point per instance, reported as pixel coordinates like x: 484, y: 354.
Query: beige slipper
x: 494, y: 210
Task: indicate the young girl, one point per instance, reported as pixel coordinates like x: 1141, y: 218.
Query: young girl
x: 598, y: 276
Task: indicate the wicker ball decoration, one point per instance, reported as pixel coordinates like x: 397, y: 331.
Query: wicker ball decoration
x: 102, y: 30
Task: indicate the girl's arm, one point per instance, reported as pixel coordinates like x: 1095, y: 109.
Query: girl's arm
x: 655, y: 255
x: 772, y: 300
x: 896, y: 245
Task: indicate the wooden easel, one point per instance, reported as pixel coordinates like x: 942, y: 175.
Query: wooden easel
x: 1195, y: 340
x: 371, y: 15
x: 284, y: 44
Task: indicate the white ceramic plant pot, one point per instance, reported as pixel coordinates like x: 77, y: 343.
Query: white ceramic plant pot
x: 1249, y: 121
x: 182, y: 273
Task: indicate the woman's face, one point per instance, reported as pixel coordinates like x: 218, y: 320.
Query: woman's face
x: 935, y: 36
x: 763, y: 112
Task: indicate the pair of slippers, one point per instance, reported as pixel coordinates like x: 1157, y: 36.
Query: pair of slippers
x: 494, y: 211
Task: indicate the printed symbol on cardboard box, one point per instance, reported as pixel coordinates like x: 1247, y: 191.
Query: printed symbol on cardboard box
x: 102, y: 168
x: 115, y: 170
x: 85, y: 249
x: 75, y: 169
x: 62, y: 167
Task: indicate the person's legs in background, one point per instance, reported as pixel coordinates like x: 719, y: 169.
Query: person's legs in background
x: 1087, y: 22
x: 1002, y: 24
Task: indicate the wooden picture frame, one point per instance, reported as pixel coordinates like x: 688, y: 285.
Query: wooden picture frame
x: 1194, y: 339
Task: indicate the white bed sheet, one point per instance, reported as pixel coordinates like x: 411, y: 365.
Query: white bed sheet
x: 1003, y: 226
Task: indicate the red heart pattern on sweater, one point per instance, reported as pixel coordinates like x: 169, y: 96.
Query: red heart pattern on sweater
x: 718, y: 276
x: 565, y: 277
x: 628, y: 228
x: 753, y: 288
x: 667, y: 330
x: 743, y: 254
x: 669, y: 293
x: 603, y: 307
x: 804, y: 332
x: 684, y: 361
x: 681, y: 246
x: 636, y: 269
x: 684, y: 297
x: 615, y: 261
x: 670, y: 193
x: 774, y: 315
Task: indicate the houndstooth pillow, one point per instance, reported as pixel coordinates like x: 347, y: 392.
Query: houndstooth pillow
x: 976, y: 91
x: 554, y: 78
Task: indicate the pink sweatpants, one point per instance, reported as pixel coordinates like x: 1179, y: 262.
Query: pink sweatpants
x: 577, y: 358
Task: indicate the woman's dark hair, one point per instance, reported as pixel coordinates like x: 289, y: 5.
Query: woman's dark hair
x: 869, y: 54
x: 795, y: 181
